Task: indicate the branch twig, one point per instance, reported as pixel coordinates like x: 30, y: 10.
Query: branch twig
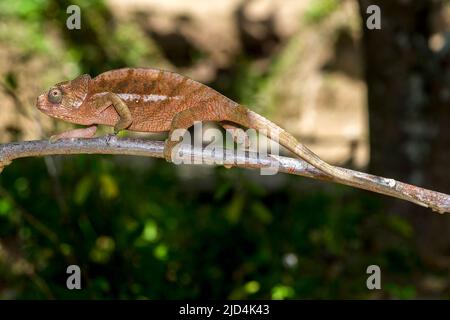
x: 437, y: 201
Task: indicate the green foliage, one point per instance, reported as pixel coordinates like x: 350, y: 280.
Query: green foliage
x: 149, y: 234
x: 27, y: 10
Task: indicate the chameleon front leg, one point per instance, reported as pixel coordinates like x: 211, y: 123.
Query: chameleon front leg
x: 125, y: 118
x: 102, y: 102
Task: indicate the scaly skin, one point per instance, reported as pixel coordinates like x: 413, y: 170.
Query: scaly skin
x: 150, y: 100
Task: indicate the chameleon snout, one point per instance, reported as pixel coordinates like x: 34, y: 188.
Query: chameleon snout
x: 41, y: 103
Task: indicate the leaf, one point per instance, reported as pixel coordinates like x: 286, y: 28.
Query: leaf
x: 400, y: 226
x: 282, y: 292
x: 234, y: 210
x: 109, y: 188
x: 262, y: 213
x: 5, y: 207
x: 82, y: 190
x: 150, y: 232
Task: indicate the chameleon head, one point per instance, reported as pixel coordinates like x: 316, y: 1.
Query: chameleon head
x: 65, y: 99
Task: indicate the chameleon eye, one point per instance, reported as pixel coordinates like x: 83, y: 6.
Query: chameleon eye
x: 55, y: 95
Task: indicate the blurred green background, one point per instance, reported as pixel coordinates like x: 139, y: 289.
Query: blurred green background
x: 146, y: 229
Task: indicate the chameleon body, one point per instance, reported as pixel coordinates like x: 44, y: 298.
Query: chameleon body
x: 151, y: 100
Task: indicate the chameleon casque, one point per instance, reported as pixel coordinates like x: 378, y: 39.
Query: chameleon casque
x: 152, y: 100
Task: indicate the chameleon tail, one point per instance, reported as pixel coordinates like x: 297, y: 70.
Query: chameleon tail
x: 250, y: 119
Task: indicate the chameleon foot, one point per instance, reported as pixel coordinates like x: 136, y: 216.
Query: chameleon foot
x: 168, y: 148
x: 122, y: 124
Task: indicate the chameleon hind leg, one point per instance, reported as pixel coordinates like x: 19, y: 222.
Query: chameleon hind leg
x: 184, y: 120
x: 238, y: 134
x: 125, y: 118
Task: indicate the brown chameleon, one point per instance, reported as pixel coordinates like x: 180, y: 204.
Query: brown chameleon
x: 151, y: 100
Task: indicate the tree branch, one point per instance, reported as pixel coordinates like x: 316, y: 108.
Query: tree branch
x: 437, y: 201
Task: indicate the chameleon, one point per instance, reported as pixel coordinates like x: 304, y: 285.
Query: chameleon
x: 153, y: 100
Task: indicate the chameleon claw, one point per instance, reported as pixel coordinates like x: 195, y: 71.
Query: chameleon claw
x: 117, y: 128
x: 122, y: 125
